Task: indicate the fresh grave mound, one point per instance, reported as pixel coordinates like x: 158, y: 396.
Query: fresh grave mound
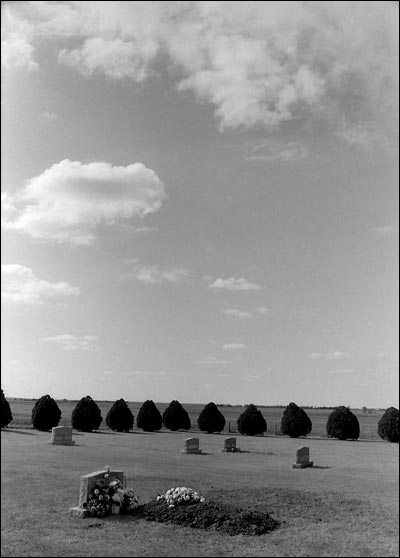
x: 210, y: 515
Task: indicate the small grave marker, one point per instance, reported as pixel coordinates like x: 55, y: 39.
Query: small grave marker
x: 302, y: 458
x: 230, y: 445
x: 191, y: 446
x: 88, y: 484
x: 61, y: 436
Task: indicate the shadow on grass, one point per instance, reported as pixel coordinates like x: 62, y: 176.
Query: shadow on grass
x: 251, y: 451
x: 105, y: 432
x: 319, y: 467
x: 142, y: 432
x: 18, y: 432
x: 202, y: 453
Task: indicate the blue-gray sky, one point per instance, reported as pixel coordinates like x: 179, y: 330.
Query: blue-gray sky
x: 200, y: 201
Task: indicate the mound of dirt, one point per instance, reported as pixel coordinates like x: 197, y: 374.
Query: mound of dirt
x: 210, y: 515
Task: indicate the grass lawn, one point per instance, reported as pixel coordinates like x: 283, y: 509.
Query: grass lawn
x: 347, y: 505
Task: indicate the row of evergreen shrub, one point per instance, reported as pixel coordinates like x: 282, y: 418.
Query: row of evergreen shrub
x: 86, y: 417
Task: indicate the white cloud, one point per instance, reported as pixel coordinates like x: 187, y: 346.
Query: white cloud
x: 272, y: 151
x: 147, y: 373
x: 48, y: 116
x: 256, y: 63
x: 341, y: 371
x: 336, y: 355
x: 153, y: 275
x: 233, y: 346
x: 238, y: 313
x: 19, y: 285
x: 211, y: 360
x: 115, y: 58
x: 262, y: 310
x: 16, y: 47
x: 233, y: 284
x: 17, y: 53
x: 69, y: 200
x: 364, y: 134
x: 69, y: 342
x: 386, y: 230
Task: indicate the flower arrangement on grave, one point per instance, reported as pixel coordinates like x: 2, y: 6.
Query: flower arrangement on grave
x: 110, y: 498
x: 180, y: 496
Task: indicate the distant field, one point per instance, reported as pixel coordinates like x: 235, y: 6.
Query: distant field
x: 22, y: 409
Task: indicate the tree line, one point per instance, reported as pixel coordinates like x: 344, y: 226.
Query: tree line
x: 86, y: 417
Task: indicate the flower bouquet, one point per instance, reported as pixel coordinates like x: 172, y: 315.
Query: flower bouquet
x: 180, y: 495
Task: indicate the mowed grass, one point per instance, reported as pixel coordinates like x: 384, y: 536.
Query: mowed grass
x: 347, y: 505
x: 22, y: 410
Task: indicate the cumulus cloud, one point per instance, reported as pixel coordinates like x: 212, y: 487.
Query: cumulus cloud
x: 153, y: 275
x: 16, y: 48
x: 48, y: 116
x: 242, y: 314
x: 257, y: 63
x: 386, y: 230
x: 68, y: 342
x: 147, y: 373
x: 341, y: 371
x: 20, y: 286
x: 211, y: 360
x: 336, y: 355
x: 70, y: 200
x: 115, y: 58
x: 262, y: 310
x: 233, y: 346
x: 233, y: 284
x: 273, y: 151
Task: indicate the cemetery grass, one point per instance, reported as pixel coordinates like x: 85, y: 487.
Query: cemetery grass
x: 347, y: 505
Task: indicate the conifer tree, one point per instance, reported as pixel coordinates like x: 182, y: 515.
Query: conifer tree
x: 5, y: 410
x: 211, y: 419
x: 343, y: 424
x: 149, y: 417
x: 120, y: 418
x: 251, y: 422
x: 295, y: 422
x: 175, y: 417
x: 388, y: 425
x: 86, y: 415
x: 45, y: 413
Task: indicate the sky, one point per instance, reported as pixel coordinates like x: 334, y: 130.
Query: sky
x: 200, y: 201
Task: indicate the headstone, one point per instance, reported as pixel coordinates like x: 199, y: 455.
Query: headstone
x: 89, y: 483
x: 61, y: 436
x: 230, y: 445
x: 191, y: 446
x: 302, y: 458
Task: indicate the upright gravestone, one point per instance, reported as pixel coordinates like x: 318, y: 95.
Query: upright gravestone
x: 89, y: 483
x: 61, y: 436
x: 191, y: 446
x: 302, y: 458
x: 230, y: 445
